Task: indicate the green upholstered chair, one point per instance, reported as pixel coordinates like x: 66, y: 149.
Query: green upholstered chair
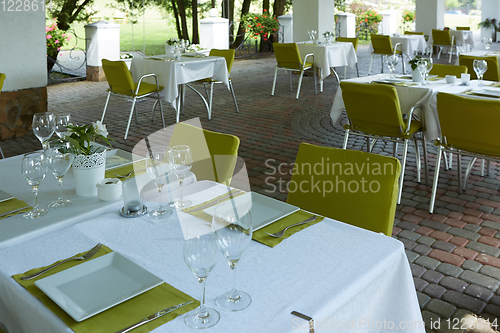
x: 382, y: 46
x: 469, y: 126
x: 122, y: 84
x: 288, y: 58
x: 2, y: 79
x: 492, y: 73
x: 442, y: 39
x: 374, y: 112
x: 344, y: 192
x: 214, y: 154
x: 413, y: 33
x: 354, y: 42
x: 442, y: 70
x: 463, y: 28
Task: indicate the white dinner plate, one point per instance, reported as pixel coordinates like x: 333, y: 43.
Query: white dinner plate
x: 96, y: 285
x: 116, y: 158
x: 4, y: 196
x: 265, y: 210
x: 487, y: 92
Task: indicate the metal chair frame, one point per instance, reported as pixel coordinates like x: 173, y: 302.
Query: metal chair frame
x: 382, y: 57
x: 303, y: 68
x: 442, y: 46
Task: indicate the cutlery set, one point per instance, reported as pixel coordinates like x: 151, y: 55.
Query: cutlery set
x: 212, y: 203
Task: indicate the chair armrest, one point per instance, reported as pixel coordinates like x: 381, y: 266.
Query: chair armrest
x: 410, y: 115
x: 307, y: 55
x: 396, y: 48
x: 145, y: 76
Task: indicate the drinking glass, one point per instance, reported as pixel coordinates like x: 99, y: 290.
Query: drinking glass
x: 61, y: 121
x: 182, y: 163
x: 480, y: 67
x: 43, y: 126
x: 201, y: 254
x: 233, y: 227
x: 159, y: 166
x: 487, y: 42
x: 34, y: 168
x: 428, y: 67
x: 422, y: 67
x: 392, y: 61
x: 59, y: 158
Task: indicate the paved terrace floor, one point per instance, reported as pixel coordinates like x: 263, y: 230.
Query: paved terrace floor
x: 454, y: 253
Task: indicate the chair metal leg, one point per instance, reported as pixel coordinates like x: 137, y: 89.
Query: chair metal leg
x: 234, y: 97
x: 468, y: 172
x: 346, y: 137
x: 345, y: 72
x: 315, y: 81
x: 451, y: 53
x: 105, y: 107
x: 370, y: 68
x: 395, y: 149
x: 482, y: 168
x: 206, y: 90
x: 1, y: 153
x: 488, y: 168
x: 274, y: 82
x: 357, y: 70
x: 161, y: 110
x: 290, y: 79
x: 435, y: 182
x: 372, y: 144
x: 403, y: 166
x: 445, y: 158
x: 300, y: 83
x: 439, y: 52
x: 368, y: 145
x: 210, y: 100
x: 426, y: 163
x: 417, y: 159
x: 130, y: 118
x: 382, y: 64
x: 183, y: 98
x: 459, y: 173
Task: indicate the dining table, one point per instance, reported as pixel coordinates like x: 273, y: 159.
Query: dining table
x: 329, y: 56
x: 173, y: 74
x: 411, y: 44
x: 342, y: 276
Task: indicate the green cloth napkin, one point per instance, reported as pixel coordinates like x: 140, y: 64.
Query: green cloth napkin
x: 408, y: 77
x: 121, y: 315
x: 261, y: 236
x: 140, y: 165
x: 201, y: 214
x: 13, y: 204
x: 398, y: 84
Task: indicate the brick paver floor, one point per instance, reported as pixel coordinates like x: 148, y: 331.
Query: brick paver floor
x: 454, y: 253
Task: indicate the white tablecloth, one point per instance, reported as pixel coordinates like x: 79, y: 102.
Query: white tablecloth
x: 329, y: 56
x: 408, y: 97
x: 330, y: 271
x: 173, y: 73
x: 463, y: 38
x: 410, y: 44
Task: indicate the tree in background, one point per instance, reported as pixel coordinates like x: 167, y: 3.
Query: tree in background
x: 68, y: 11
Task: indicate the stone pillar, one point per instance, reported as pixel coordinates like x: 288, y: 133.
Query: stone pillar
x: 214, y: 31
x: 489, y: 9
x: 286, y: 28
x: 347, y: 22
x: 389, y: 23
x: 103, y: 43
x: 316, y: 15
x: 430, y: 15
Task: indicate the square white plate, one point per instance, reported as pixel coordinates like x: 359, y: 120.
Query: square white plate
x: 488, y: 92
x: 264, y: 211
x: 4, y: 196
x: 116, y: 158
x: 97, y: 285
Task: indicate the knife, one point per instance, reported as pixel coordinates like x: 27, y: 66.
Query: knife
x: 213, y: 202
x: 13, y: 211
x: 303, y: 316
x: 153, y: 317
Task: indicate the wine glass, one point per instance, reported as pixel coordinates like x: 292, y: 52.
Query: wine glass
x: 233, y: 227
x: 313, y: 34
x: 33, y: 169
x: 201, y: 254
x: 61, y: 121
x: 182, y: 163
x: 43, y: 126
x: 428, y: 67
x: 59, y: 158
x: 159, y: 166
x: 480, y: 67
x: 487, y: 42
x: 392, y: 61
x: 422, y: 67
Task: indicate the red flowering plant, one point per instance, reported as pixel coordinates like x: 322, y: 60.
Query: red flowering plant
x: 408, y: 18
x: 368, y: 19
x: 260, y: 25
x: 55, y: 39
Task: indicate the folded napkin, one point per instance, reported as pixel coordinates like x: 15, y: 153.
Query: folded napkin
x: 398, y: 84
x: 121, y: 315
x: 299, y: 216
x: 13, y: 204
x: 478, y: 93
x: 204, y: 216
x: 194, y: 55
x: 140, y: 166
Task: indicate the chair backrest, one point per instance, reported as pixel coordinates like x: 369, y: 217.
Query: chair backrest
x: 228, y: 54
x: 381, y: 44
x: 413, y: 33
x: 353, y: 40
x: 463, y: 28
x: 287, y: 55
x: 470, y: 124
x: 373, y: 108
x: 492, y: 73
x: 2, y: 79
x: 441, y: 37
x: 340, y: 175
x: 442, y: 70
x: 119, y: 77
x: 214, y: 154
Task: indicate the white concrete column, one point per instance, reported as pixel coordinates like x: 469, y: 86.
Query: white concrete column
x: 389, y: 23
x: 214, y: 31
x: 347, y: 22
x: 286, y: 28
x: 103, y: 43
x: 489, y: 9
x: 430, y: 15
x: 316, y: 15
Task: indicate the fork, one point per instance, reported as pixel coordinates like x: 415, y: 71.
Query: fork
x: 86, y: 256
x: 281, y: 233
x: 128, y: 174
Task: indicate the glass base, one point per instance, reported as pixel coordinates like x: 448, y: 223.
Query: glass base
x: 195, y: 319
x: 63, y: 203
x: 35, y: 213
x: 160, y: 213
x: 180, y: 204
x: 233, y: 301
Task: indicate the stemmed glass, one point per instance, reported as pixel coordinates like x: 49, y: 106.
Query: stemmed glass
x: 159, y: 166
x: 233, y: 226
x: 59, y: 158
x: 480, y: 67
x: 392, y: 61
x: 201, y: 254
x: 428, y: 67
x: 487, y: 42
x: 43, y: 126
x: 312, y: 35
x: 422, y: 68
x: 61, y: 121
x: 34, y: 168
x: 182, y: 163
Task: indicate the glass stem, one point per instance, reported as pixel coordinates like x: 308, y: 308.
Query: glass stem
x: 202, y: 310
x: 35, y: 192
x: 60, y: 180
x: 181, y: 191
x: 233, y: 295
x: 160, y: 188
